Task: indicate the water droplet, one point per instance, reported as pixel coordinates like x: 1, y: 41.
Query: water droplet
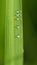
x: 17, y: 11
x: 18, y: 26
x: 18, y: 19
x: 18, y: 36
x: 18, y: 15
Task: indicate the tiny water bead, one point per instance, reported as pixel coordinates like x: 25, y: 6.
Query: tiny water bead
x: 18, y: 15
x: 18, y: 26
x: 18, y: 36
x: 18, y: 19
x: 18, y: 11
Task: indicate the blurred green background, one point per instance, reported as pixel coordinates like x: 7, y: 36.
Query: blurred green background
x: 30, y: 31
x: 2, y: 31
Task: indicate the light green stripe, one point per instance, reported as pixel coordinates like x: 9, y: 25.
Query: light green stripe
x: 11, y: 46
